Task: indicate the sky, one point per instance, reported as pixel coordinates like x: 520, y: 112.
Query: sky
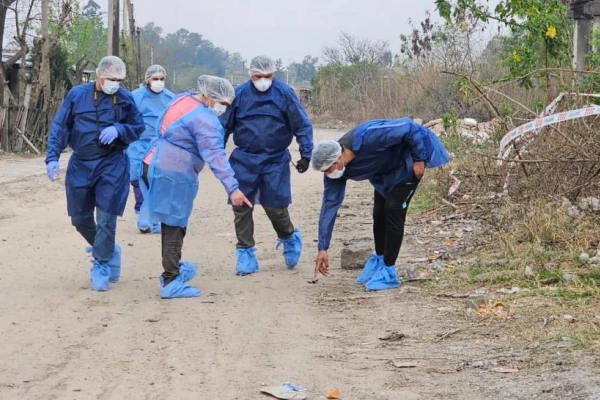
x: 283, y: 29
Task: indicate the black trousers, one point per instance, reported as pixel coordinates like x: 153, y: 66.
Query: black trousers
x: 389, y: 216
x: 171, y: 240
x: 244, y: 224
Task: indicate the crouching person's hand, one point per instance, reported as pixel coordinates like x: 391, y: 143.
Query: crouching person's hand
x: 238, y: 199
x: 322, y: 264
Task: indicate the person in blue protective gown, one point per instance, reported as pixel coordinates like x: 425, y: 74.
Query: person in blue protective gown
x: 264, y: 118
x: 392, y: 154
x: 98, y: 120
x: 190, y: 135
x: 151, y: 99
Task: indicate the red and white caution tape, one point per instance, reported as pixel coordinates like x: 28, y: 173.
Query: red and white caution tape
x: 455, y: 184
x: 544, y: 120
x: 539, y: 123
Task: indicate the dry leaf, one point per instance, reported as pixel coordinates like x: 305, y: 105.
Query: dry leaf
x: 333, y: 394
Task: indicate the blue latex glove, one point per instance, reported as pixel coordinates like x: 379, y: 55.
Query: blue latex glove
x: 52, y: 169
x: 108, y: 135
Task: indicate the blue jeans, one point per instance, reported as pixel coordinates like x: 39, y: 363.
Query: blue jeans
x: 99, y: 233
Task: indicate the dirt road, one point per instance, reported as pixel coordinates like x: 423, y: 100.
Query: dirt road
x: 62, y: 341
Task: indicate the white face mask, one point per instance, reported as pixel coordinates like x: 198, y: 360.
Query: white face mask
x: 337, y: 173
x: 219, y: 108
x: 110, y: 87
x: 157, y: 86
x: 263, y: 84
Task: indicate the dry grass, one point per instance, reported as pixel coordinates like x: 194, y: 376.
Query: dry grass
x: 389, y: 93
x: 531, y: 241
x: 545, y: 309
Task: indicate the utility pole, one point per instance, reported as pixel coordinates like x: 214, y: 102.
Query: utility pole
x: 113, y: 27
x: 586, y: 14
x: 111, y: 22
x: 139, y: 51
x: 126, y: 16
x: 135, y: 48
x: 45, y: 69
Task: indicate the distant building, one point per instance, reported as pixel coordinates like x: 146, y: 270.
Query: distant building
x: 303, y: 93
x: 12, y: 75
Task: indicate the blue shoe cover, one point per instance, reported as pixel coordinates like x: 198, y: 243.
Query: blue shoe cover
x: 177, y: 289
x: 292, y: 248
x: 156, y: 228
x: 246, y: 262
x: 384, y: 279
x: 144, y: 227
x: 147, y: 227
x: 187, y: 271
x: 99, y: 276
x: 372, y: 265
x: 114, y: 265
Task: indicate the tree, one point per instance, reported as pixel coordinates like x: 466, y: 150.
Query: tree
x: 305, y: 71
x: 84, y: 40
x: 5, y: 6
x: 184, y: 50
x: 181, y: 46
x: 280, y: 72
x: 21, y: 28
x: 352, y: 50
x: 150, y: 43
x: 43, y: 49
x: 444, y: 46
x: 211, y: 58
x: 59, y: 66
x: 236, y: 63
x: 540, y: 32
x: 91, y: 9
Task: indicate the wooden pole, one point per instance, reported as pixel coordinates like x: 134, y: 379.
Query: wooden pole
x: 113, y: 27
x: 139, y: 52
x: 116, y: 30
x: 111, y: 20
x: 133, y: 40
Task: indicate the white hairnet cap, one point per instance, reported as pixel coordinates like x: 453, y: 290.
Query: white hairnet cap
x: 325, y: 154
x: 262, y: 65
x: 155, y: 70
x: 111, y: 67
x: 216, y: 88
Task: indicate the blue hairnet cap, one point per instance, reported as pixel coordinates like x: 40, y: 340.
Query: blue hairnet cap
x: 215, y: 88
x: 325, y: 154
x: 111, y: 67
x: 261, y: 65
x: 155, y: 70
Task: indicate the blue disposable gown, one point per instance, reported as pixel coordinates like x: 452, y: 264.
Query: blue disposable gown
x: 180, y: 153
x: 385, y: 151
x: 96, y: 176
x: 263, y: 125
x: 151, y: 105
